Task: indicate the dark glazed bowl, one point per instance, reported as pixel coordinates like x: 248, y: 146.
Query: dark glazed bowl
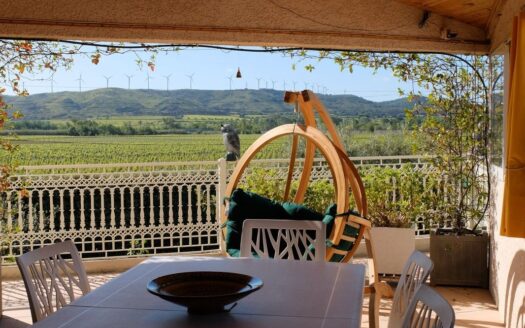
x: 204, y: 291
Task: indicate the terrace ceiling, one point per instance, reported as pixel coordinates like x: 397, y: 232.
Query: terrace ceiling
x: 459, y: 26
x: 474, y: 12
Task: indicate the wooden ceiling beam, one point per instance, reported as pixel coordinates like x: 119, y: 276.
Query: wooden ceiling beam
x: 475, y: 12
x: 377, y: 25
x: 500, y: 26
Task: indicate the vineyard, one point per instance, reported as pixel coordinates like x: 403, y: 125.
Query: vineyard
x: 50, y: 150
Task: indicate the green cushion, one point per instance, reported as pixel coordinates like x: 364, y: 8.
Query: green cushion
x: 248, y: 205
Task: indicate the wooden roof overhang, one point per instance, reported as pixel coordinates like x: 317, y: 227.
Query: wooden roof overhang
x: 455, y: 26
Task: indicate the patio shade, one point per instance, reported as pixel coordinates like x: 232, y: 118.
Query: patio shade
x: 513, y: 215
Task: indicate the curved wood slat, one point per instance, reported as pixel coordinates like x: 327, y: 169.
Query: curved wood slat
x: 325, y: 118
x: 309, y: 120
x: 308, y: 164
x: 355, y: 182
x: 291, y: 166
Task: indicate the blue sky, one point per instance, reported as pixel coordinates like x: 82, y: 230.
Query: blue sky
x: 211, y: 69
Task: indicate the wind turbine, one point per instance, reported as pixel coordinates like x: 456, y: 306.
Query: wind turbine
x: 284, y: 85
x: 258, y: 82
x: 129, y: 80
x: 230, y: 78
x: 306, y: 85
x: 148, y: 78
x: 294, y: 83
x: 107, y: 80
x: 52, y: 79
x: 273, y: 84
x: 167, y: 77
x: 80, y: 83
x: 190, y: 76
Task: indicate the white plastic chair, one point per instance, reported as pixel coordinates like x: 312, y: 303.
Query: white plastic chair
x: 416, y: 271
x: 284, y: 239
x: 429, y: 309
x: 50, y: 279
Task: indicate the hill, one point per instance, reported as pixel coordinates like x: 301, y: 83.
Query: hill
x: 122, y: 102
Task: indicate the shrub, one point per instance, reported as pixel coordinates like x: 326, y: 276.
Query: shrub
x: 396, y: 197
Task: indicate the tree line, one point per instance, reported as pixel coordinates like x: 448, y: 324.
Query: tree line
x: 168, y: 125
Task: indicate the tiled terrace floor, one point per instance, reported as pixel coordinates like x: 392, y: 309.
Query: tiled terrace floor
x: 474, y: 307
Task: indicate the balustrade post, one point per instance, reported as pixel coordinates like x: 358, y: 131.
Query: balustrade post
x: 189, y: 218
x: 122, y: 219
x: 141, y: 219
x: 170, y: 205
x: 199, y: 204
x: 161, y: 206
x: 151, y: 222
x: 208, y: 204
x: 222, y: 174
x: 51, y: 210
x: 30, y: 212
x: 92, y: 208
x: 82, y: 210
x: 9, y: 213
x: 112, y: 208
x: 41, y: 222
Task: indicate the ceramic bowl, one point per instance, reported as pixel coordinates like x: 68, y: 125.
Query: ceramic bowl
x: 204, y: 291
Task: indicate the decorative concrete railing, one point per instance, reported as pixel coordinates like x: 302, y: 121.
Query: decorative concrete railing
x: 113, y: 210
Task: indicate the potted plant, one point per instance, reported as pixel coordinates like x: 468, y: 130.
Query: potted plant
x: 396, y: 198
x: 454, y: 127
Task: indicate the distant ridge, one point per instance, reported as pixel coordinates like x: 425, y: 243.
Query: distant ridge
x: 123, y: 102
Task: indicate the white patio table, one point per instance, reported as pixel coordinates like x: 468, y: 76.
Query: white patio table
x: 295, y: 294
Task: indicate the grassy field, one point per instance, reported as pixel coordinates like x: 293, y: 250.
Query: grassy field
x: 49, y: 150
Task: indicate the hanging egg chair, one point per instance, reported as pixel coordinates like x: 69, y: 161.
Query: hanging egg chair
x: 349, y: 224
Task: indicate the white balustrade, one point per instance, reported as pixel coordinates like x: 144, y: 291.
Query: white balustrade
x: 112, y: 210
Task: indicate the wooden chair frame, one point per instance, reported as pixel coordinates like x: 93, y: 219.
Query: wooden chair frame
x: 345, y: 176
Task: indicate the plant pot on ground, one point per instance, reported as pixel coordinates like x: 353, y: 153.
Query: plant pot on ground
x: 396, y: 198
x: 459, y: 260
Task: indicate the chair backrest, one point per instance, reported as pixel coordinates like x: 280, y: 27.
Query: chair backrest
x: 428, y: 309
x: 51, y: 279
x: 284, y: 239
x: 415, y: 273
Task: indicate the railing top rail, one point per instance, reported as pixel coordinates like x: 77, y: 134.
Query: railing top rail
x: 392, y: 157
x: 359, y: 160
x: 111, y: 165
